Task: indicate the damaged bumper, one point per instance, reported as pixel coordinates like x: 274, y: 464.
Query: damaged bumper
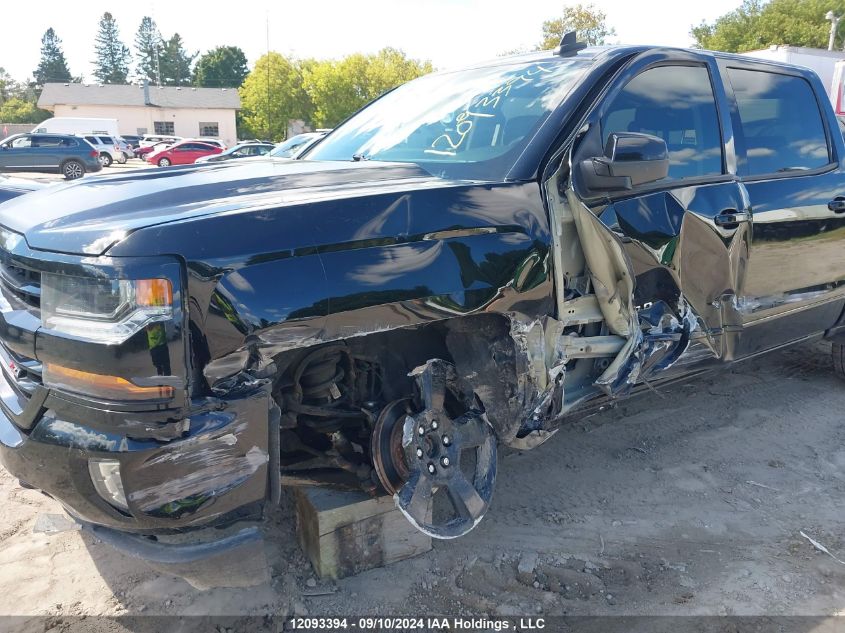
x: 214, y: 475
x: 241, y: 555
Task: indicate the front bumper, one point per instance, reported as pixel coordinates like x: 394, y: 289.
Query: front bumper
x: 216, y: 475
x: 183, y: 464
x: 237, y: 560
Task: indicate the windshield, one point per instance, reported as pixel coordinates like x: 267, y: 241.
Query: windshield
x: 466, y: 124
x: 290, y: 146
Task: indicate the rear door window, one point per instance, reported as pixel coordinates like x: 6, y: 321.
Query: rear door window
x: 677, y: 104
x: 780, y: 120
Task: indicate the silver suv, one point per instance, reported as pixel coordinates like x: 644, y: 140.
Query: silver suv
x: 108, y: 146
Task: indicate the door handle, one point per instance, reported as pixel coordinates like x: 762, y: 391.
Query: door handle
x: 730, y: 218
x: 837, y: 205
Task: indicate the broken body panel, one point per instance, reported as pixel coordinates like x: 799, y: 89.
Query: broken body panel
x: 310, y: 299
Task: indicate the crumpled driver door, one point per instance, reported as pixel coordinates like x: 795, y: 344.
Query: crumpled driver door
x: 684, y: 239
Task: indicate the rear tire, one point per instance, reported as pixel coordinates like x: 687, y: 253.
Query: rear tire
x: 164, y: 162
x: 123, y: 158
x: 838, y: 351
x: 106, y: 159
x: 73, y: 169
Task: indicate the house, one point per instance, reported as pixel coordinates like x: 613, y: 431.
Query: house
x: 145, y: 109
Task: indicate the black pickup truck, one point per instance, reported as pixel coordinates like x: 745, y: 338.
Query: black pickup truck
x: 469, y: 261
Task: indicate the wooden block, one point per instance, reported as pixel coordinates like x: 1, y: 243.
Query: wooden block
x: 344, y: 533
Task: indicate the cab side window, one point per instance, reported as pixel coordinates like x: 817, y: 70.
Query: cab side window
x: 677, y: 104
x: 781, y: 122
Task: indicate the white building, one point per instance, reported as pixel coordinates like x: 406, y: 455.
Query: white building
x: 143, y: 109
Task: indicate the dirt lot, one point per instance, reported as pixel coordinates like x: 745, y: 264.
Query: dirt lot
x: 686, y: 501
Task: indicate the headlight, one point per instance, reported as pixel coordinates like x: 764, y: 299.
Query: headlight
x: 103, y: 310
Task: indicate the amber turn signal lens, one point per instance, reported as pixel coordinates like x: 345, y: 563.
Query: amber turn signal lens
x: 100, y: 385
x: 153, y: 292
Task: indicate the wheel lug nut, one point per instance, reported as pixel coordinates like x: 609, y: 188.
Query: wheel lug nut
x: 421, y: 430
x: 419, y: 453
x: 434, y: 425
x: 446, y: 440
x: 431, y: 468
x: 445, y: 462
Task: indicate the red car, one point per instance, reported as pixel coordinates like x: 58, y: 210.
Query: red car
x: 182, y: 153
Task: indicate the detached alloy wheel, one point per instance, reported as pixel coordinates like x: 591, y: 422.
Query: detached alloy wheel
x: 164, y: 162
x: 73, y: 169
x: 440, y: 461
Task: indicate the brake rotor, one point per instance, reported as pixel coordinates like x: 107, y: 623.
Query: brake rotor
x: 386, y: 446
x: 436, y: 445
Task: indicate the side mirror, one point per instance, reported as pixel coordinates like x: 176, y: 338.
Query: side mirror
x: 630, y: 159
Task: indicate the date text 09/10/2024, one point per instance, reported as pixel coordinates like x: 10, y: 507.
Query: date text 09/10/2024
x: 412, y: 623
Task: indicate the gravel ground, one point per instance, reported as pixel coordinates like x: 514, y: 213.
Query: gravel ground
x: 688, y: 501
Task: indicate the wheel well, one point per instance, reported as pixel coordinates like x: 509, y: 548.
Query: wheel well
x: 331, y: 395
x: 479, y: 346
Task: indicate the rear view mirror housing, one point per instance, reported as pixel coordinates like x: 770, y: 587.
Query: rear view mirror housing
x: 630, y: 159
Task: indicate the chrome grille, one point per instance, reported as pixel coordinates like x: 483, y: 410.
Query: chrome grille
x: 22, y: 282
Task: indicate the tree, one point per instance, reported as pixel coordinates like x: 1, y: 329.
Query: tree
x: 19, y: 110
x: 756, y: 24
x: 148, y: 50
x: 339, y: 88
x: 53, y: 65
x: 112, y: 63
x: 272, y: 95
x: 8, y: 86
x: 587, y: 20
x: 221, y: 67
x: 176, y: 63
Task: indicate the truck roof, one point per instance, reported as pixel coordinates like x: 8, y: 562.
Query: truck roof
x: 618, y: 51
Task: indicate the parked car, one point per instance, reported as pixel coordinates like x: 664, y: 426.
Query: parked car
x: 49, y: 153
x: 295, y: 144
x: 133, y: 139
x: 472, y: 260
x: 77, y: 126
x: 182, y: 153
x: 125, y: 148
x: 108, y: 147
x: 242, y: 150
x: 211, y: 141
x: 152, y: 139
x: 145, y: 150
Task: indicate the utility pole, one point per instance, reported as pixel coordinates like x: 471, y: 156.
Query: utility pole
x: 269, y: 127
x: 834, y: 25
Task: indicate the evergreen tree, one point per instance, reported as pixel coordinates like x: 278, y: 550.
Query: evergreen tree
x: 53, y: 66
x: 176, y: 63
x: 221, y: 67
x: 112, y: 63
x: 148, y: 50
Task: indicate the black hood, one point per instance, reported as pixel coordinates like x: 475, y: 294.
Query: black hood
x: 89, y: 216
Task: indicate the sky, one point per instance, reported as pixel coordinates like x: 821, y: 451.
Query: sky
x: 450, y: 33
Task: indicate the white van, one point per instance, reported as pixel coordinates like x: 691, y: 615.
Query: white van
x: 77, y: 125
